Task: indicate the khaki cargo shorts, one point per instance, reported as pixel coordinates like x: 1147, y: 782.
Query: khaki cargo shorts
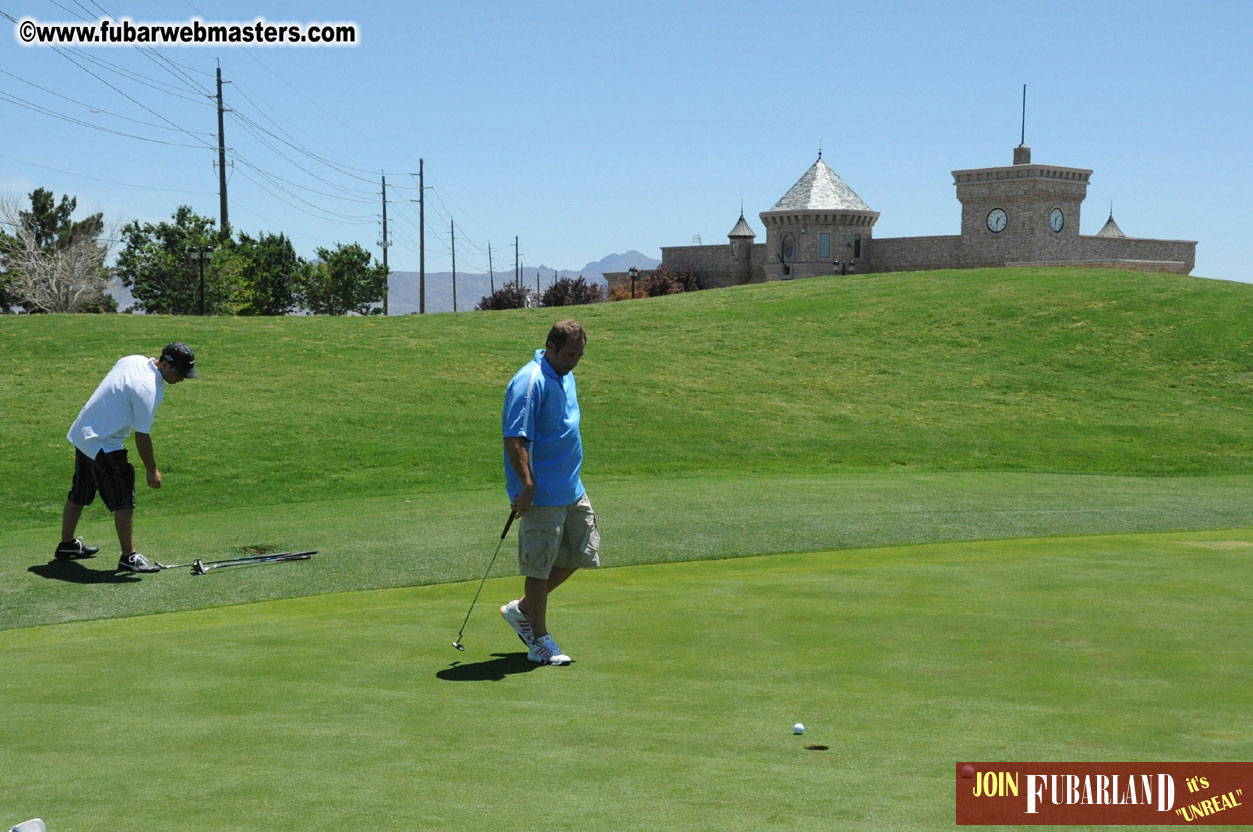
x: 550, y: 536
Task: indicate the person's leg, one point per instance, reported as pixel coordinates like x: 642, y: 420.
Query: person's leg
x: 123, y: 521
x: 69, y: 520
x: 534, y: 603
x: 82, y: 493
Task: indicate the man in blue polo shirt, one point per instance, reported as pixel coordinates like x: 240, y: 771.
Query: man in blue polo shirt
x: 557, y: 532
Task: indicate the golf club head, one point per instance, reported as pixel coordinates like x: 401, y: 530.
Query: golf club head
x: 458, y: 645
x: 32, y: 825
x: 197, y: 567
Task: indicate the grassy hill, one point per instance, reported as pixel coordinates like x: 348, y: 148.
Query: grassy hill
x: 1027, y: 370
x: 1069, y: 454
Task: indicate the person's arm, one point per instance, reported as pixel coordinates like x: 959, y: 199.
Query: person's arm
x: 520, y: 459
x: 143, y: 444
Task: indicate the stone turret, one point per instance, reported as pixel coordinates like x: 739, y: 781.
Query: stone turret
x: 820, y: 226
x: 1110, y: 229
x: 741, y: 238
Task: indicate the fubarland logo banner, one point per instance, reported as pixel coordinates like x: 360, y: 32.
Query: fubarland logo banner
x: 1105, y: 794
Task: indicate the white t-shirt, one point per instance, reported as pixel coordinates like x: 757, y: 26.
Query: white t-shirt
x: 126, y: 400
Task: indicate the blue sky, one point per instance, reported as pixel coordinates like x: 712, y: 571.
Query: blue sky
x: 592, y: 128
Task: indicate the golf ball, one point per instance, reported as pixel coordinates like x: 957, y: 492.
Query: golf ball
x: 798, y: 728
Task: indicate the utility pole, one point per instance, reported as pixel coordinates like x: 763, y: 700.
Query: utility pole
x: 491, y: 275
x: 452, y: 230
x: 386, y: 273
x: 421, y: 242
x: 225, y: 226
x: 517, y: 273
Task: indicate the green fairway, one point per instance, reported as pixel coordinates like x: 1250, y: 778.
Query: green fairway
x: 353, y: 710
x: 433, y: 538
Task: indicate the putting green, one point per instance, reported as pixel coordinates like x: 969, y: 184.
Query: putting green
x: 353, y: 710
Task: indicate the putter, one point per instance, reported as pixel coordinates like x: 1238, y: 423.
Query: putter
x: 199, y: 567
x: 457, y: 643
x: 243, y: 559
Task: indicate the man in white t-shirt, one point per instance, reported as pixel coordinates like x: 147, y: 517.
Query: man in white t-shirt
x: 126, y: 400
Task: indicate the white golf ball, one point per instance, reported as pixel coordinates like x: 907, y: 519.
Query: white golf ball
x: 798, y: 728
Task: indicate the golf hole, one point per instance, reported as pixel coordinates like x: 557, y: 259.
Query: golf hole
x: 815, y: 748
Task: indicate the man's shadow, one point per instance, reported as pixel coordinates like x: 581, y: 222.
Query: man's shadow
x: 73, y: 572
x: 494, y: 670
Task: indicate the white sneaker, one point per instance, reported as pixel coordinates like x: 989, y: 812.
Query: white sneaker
x: 518, y: 620
x: 136, y: 562
x: 546, y: 651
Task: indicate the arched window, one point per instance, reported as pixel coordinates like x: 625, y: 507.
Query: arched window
x: 789, y: 248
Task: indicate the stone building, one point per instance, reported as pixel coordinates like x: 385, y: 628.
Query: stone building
x: 1016, y: 215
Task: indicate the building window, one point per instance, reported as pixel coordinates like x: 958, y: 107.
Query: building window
x: 824, y: 246
x: 857, y: 247
x: 735, y: 248
x: 789, y: 249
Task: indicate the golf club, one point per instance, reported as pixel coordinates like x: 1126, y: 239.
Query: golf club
x: 457, y: 643
x: 242, y: 559
x: 199, y: 567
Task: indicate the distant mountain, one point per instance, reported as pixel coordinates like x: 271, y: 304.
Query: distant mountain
x: 403, y: 289
x: 620, y: 263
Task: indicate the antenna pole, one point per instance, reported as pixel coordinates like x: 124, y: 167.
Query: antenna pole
x: 1023, y: 140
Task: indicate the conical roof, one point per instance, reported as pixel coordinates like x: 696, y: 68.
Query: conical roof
x: 820, y: 189
x: 741, y: 229
x: 1111, y: 228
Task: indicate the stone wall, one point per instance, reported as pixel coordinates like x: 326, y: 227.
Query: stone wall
x: 910, y: 254
x: 1180, y: 252
x: 714, y: 266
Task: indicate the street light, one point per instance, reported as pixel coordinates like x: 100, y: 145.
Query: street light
x: 634, y: 272
x: 848, y: 266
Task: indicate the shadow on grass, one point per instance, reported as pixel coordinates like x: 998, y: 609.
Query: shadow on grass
x: 73, y: 572
x: 494, y: 670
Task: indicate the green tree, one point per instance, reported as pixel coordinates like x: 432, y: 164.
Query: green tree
x: 157, y: 264
x: 264, y: 274
x: 342, y: 281
x: 50, y: 262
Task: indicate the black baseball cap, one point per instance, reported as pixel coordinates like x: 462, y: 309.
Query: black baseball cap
x: 182, y: 358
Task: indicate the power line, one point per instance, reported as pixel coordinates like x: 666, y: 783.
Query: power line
x: 88, y: 106
x: 109, y: 181
x: 30, y: 105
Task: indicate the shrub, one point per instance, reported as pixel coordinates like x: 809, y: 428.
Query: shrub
x: 572, y: 292
x: 663, y: 281
x: 666, y: 281
x: 509, y: 296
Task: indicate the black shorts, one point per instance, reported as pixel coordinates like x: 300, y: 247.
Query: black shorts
x: 109, y: 473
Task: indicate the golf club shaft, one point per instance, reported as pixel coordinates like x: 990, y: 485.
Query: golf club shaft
x: 508, y: 523
x: 277, y: 558
x: 242, y: 559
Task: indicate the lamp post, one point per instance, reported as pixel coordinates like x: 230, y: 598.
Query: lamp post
x: 634, y: 272
x: 198, y: 255
x: 848, y: 265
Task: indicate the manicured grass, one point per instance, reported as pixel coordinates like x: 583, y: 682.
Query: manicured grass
x: 353, y: 711
x: 996, y: 370
x: 372, y: 542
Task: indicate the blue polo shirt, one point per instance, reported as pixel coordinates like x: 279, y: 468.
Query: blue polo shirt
x: 544, y: 407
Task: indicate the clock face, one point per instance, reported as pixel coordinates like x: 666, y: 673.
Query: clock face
x: 1056, y: 219
x: 997, y: 220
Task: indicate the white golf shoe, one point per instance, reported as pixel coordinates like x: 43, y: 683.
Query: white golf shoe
x: 518, y: 620
x: 546, y: 651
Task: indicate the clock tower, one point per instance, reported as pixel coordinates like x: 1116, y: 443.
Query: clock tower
x: 1024, y: 212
